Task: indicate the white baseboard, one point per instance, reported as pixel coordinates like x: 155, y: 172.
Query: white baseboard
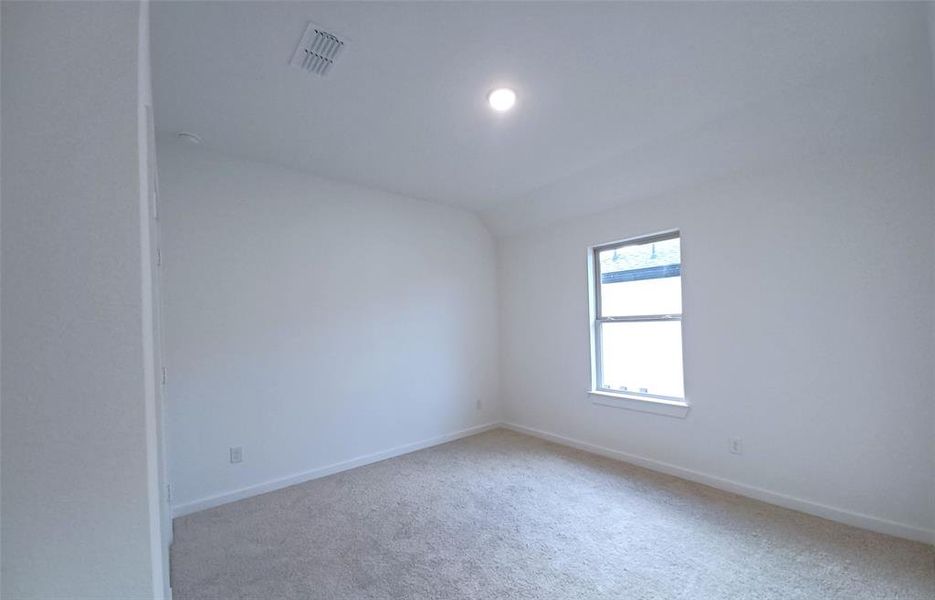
x: 187, y: 508
x: 806, y: 506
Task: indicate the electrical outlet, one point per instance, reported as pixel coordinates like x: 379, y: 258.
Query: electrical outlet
x: 237, y: 454
x: 735, y: 445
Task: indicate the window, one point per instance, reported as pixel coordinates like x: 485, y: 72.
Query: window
x: 637, y: 329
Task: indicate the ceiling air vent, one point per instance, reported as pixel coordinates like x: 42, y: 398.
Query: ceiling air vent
x: 317, y: 50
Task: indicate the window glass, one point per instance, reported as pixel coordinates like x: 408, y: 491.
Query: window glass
x: 644, y: 357
x: 638, y: 312
x: 641, y: 279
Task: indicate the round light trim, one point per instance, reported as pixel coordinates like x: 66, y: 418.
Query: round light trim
x: 501, y: 99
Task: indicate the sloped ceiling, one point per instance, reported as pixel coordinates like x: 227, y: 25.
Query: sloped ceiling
x: 616, y: 100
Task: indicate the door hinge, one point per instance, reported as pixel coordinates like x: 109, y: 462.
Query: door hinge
x: 164, y: 377
x: 158, y: 257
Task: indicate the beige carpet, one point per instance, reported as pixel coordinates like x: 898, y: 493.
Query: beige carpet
x: 502, y: 515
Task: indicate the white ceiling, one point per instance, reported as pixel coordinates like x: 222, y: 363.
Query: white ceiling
x: 404, y: 107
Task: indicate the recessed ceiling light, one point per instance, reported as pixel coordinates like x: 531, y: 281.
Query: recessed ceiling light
x: 501, y: 99
x: 191, y: 138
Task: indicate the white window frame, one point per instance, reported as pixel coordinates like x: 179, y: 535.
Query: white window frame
x: 641, y: 401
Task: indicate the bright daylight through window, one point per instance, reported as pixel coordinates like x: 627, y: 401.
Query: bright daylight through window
x: 637, y: 332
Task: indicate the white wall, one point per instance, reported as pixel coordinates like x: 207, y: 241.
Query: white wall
x: 808, y: 325
x: 809, y: 331
x: 1, y: 313
x: 313, y: 322
x: 931, y: 31
x: 931, y: 39
x: 160, y: 521
x: 76, y: 512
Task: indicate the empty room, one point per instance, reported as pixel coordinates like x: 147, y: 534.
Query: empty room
x: 452, y: 300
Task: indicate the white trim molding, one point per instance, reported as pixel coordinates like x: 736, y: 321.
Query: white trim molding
x: 656, y: 406
x: 187, y: 508
x: 817, y: 509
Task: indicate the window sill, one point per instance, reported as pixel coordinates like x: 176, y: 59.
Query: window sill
x: 656, y: 406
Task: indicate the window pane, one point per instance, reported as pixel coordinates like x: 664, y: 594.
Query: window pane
x: 642, y: 356
x: 644, y: 279
x: 645, y: 297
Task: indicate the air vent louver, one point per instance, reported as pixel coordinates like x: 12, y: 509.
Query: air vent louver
x: 317, y: 50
